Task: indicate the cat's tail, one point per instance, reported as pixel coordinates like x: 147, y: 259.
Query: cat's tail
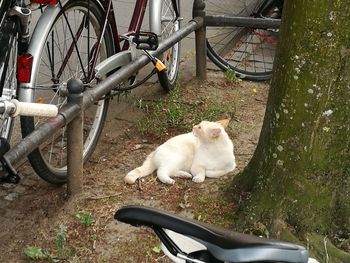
x: 145, y: 169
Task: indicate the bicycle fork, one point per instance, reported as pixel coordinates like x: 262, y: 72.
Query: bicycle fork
x: 24, y: 16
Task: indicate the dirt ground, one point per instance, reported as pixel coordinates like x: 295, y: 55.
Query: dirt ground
x: 34, y: 213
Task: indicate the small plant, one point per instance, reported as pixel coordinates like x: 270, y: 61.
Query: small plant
x: 156, y: 249
x: 85, y: 218
x: 61, y: 239
x: 37, y: 253
x: 231, y: 75
x: 93, y: 237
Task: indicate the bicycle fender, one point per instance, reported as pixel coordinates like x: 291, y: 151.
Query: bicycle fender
x: 36, y: 45
x: 112, y: 63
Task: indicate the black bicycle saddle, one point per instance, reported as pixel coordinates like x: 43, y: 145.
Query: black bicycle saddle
x: 224, y: 244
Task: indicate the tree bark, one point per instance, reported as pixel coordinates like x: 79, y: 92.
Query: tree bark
x: 300, y: 171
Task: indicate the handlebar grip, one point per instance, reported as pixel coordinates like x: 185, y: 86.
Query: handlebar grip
x: 34, y: 109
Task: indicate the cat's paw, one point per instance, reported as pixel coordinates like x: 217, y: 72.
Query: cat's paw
x: 167, y: 181
x: 130, y: 178
x: 198, y: 179
x: 183, y: 174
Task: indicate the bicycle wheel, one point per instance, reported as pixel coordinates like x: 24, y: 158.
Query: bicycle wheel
x: 171, y: 57
x: 61, y: 60
x: 249, y: 52
x: 8, y: 64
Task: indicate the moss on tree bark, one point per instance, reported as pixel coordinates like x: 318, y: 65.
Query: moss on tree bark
x: 300, y: 171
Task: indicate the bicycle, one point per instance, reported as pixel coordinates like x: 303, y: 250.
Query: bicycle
x: 247, y: 49
x: 76, y: 38
x: 185, y: 240
x: 14, y: 38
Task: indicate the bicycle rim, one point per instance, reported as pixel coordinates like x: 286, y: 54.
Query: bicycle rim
x: 9, y: 81
x: 60, y: 62
x: 171, y: 57
x: 249, y: 52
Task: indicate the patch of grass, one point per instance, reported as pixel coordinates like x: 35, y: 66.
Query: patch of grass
x: 36, y: 253
x: 147, y: 244
x: 61, y: 239
x: 40, y: 254
x: 176, y: 114
x: 231, y: 75
x: 216, y: 206
x: 85, y: 218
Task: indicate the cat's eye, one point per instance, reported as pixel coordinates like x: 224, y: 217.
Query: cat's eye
x: 199, y: 127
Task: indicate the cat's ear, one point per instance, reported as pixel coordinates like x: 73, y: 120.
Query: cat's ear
x: 215, y: 132
x: 224, y: 123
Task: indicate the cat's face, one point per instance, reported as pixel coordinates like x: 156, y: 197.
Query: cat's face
x: 209, y: 131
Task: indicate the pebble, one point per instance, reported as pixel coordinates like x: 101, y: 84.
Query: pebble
x: 11, y: 196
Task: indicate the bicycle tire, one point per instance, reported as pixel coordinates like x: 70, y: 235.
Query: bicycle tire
x: 249, y: 52
x: 49, y: 161
x: 171, y: 57
x: 8, y: 69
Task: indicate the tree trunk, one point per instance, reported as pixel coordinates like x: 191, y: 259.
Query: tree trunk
x: 299, y: 176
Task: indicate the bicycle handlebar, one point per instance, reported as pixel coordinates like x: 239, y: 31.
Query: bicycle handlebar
x: 14, y: 108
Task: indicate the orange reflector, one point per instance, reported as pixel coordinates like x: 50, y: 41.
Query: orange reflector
x: 168, y: 55
x: 24, y: 67
x: 40, y: 100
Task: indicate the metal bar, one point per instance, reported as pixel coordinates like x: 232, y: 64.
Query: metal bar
x: 251, y: 22
x: 31, y: 142
x: 200, y: 41
x: 75, y: 140
x: 90, y: 96
x: 41, y: 134
x: 70, y: 111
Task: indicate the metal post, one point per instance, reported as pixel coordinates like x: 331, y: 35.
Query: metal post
x: 200, y: 38
x: 75, y: 141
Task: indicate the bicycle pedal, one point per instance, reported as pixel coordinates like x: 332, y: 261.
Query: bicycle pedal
x: 146, y: 40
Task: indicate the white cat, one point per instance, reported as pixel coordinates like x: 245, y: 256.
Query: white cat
x: 206, y: 151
